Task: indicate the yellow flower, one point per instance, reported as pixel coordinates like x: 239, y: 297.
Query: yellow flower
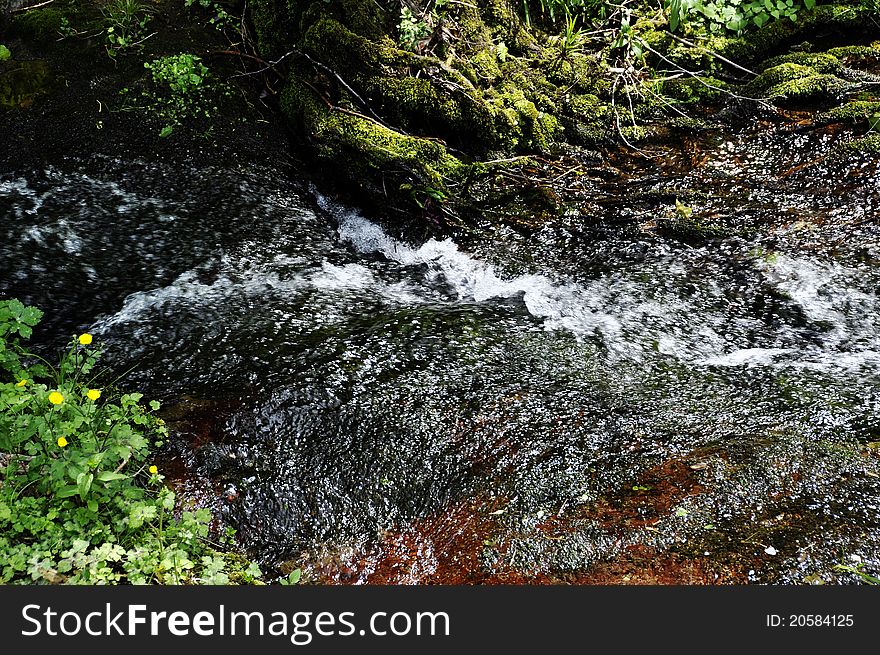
x: 154, y: 469
x: 85, y: 339
x: 56, y: 398
x: 62, y: 442
x: 93, y: 394
x: 21, y: 383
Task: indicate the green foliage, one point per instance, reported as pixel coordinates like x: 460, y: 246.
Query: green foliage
x: 859, y: 571
x: 182, y: 74
x: 292, y: 578
x: 179, y: 86
x: 220, y: 18
x: 733, y: 15
x: 559, y: 10
x: 626, y: 40
x: 5, y: 54
x: 80, y: 502
x: 572, y: 39
x: 412, y: 29
x: 125, y: 25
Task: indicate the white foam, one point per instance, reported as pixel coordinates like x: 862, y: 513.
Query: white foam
x: 561, y: 305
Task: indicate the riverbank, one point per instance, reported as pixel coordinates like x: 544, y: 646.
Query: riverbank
x: 651, y: 362
x: 66, y: 97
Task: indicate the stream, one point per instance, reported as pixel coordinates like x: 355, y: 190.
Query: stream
x: 592, y: 400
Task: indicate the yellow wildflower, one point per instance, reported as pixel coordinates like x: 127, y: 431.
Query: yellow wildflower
x: 85, y: 339
x: 154, y: 469
x: 56, y: 398
x: 21, y: 383
x: 62, y: 442
x: 93, y: 394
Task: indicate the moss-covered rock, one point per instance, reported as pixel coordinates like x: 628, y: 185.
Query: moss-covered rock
x: 21, y: 82
x: 696, y: 89
x: 775, y: 75
x: 793, y: 81
x: 39, y: 24
x: 813, y: 87
x: 690, y: 229
x: 856, y: 54
x: 865, y: 145
x: 845, y: 21
x: 392, y: 114
x: 820, y: 62
x: 389, y: 116
x: 851, y: 112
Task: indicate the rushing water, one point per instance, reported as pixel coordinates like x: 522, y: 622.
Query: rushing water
x: 588, y: 401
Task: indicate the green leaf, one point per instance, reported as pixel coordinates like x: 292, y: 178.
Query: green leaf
x: 809, y: 4
x: 294, y: 576
x: 109, y: 476
x: 92, y: 505
x: 154, y: 405
x: 5, y: 54
x: 67, y: 491
x: 166, y: 131
x: 84, y: 483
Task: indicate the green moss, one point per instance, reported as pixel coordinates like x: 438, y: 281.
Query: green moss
x: 366, y: 18
x: 506, y: 25
x: 690, y: 229
x: 272, y: 25
x: 416, y: 104
x: 809, y: 88
x: 856, y: 53
x: 635, y: 133
x: 485, y: 63
x: 693, y: 89
x: 39, y: 24
x: 773, y: 37
x: 819, y: 61
x: 869, y: 145
x: 851, y: 112
x: 585, y: 105
x: 776, y: 75
x: 579, y: 72
x: 22, y: 82
x: 364, y: 149
x: 527, y: 128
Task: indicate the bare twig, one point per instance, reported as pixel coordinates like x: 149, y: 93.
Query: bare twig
x: 702, y: 81
x: 42, y: 4
x: 714, y: 54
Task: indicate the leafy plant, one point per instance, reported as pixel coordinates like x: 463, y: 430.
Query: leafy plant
x: 572, y: 39
x: 557, y: 10
x: 125, y: 24
x: 858, y: 570
x: 179, y: 85
x: 732, y: 15
x: 220, y: 18
x: 80, y: 500
x: 292, y: 578
x: 412, y: 29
